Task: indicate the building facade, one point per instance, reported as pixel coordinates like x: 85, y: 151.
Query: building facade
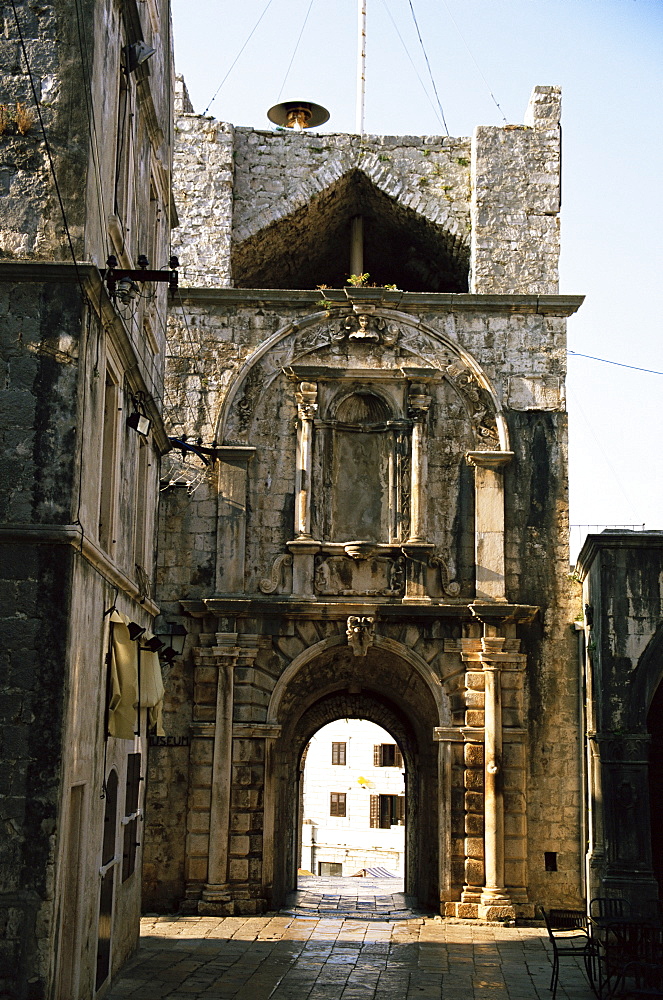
x: 376, y: 525
x: 353, y: 801
x: 85, y: 161
x: 622, y: 657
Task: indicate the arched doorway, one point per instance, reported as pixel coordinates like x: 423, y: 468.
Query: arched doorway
x: 352, y: 803
x: 384, y: 687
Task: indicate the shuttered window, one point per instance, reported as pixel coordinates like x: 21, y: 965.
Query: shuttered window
x: 387, y: 811
x: 337, y: 804
x: 338, y: 753
x: 387, y: 755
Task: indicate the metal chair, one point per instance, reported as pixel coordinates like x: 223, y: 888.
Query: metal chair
x: 605, y: 908
x: 568, y: 933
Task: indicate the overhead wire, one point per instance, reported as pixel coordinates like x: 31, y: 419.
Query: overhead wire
x: 471, y: 55
x: 430, y: 71
x: 414, y: 66
x: 294, y: 52
x: 235, y: 60
x: 619, y: 364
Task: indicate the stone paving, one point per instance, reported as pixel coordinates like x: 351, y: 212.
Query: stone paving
x: 283, y: 956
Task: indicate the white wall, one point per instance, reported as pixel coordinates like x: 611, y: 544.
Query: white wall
x: 349, y: 840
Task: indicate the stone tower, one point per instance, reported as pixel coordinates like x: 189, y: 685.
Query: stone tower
x: 376, y: 526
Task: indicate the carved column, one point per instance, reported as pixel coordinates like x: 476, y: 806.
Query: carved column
x: 231, y: 525
x: 418, y: 405
x: 216, y: 898
x: 416, y: 548
x: 494, y: 716
x: 307, y: 408
x: 493, y: 891
x: 303, y: 547
x: 489, y: 522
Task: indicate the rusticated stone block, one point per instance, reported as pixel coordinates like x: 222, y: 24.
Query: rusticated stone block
x: 238, y: 869
x: 474, y: 755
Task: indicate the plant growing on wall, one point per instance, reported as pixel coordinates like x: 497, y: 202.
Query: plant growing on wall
x: 12, y: 120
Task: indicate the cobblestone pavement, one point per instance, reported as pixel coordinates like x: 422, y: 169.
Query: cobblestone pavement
x: 286, y: 957
x: 365, y: 898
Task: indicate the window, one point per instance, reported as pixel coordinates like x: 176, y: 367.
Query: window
x: 338, y: 753
x: 130, y: 821
x: 387, y: 755
x: 387, y: 811
x: 337, y: 804
x: 107, y: 498
x: 330, y: 868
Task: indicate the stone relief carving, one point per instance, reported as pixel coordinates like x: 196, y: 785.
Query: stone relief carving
x: 343, y: 576
x: 360, y: 633
x: 366, y: 327
x: 354, y: 328
x: 271, y: 583
x: 481, y: 414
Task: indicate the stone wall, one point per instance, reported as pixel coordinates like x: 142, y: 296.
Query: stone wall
x: 244, y: 195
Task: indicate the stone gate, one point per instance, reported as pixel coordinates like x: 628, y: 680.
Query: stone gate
x: 375, y: 525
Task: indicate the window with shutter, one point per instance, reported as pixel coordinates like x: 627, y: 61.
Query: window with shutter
x: 400, y: 809
x: 387, y: 755
x: 337, y: 804
x: 338, y: 753
x: 375, y: 810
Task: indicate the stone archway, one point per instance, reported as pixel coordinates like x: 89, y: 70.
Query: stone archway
x: 383, y: 687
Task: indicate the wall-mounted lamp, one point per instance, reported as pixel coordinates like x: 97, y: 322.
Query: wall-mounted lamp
x: 136, y: 54
x: 173, y: 635
x: 153, y: 645
x: 135, y: 630
x: 138, y: 420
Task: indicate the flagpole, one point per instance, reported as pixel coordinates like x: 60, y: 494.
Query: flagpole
x: 361, y: 65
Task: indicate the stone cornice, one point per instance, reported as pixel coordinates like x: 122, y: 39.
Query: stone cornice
x: 289, y: 608
x: 444, y: 302
x: 615, y: 540
x: 71, y: 534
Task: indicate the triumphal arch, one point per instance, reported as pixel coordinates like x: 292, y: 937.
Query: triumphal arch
x: 365, y: 515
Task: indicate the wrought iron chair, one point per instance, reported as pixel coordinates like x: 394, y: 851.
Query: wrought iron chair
x: 568, y: 932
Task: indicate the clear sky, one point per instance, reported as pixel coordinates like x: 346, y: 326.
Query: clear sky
x: 607, y: 55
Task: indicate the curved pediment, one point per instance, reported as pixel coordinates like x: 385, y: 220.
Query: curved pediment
x: 381, y: 344
x: 310, y: 246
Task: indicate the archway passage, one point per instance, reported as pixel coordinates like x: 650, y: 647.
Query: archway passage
x: 311, y: 246
x: 387, y: 690
x: 352, y: 803
x: 655, y: 727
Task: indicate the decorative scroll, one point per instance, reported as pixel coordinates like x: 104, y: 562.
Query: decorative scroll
x: 270, y: 584
x: 360, y: 633
x: 449, y: 587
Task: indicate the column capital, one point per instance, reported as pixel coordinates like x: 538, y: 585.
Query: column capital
x: 494, y: 460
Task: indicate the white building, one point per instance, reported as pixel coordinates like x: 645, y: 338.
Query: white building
x: 354, y: 800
